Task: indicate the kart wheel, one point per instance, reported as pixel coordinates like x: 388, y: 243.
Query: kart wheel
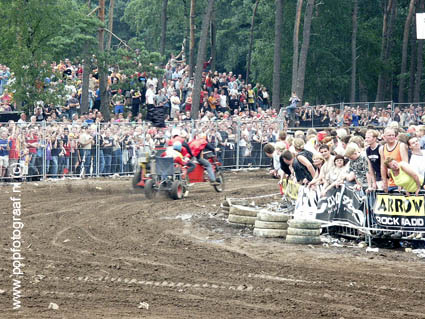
x: 219, y: 178
x: 150, y: 191
x: 136, y: 180
x: 177, y: 190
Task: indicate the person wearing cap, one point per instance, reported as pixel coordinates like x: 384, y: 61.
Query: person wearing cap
x: 198, y: 146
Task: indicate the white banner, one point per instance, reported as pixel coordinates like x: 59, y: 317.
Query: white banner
x: 420, y: 26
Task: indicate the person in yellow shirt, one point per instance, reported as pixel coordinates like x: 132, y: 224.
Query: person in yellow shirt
x: 404, y: 176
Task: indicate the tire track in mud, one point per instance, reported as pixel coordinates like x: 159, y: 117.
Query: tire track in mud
x: 325, y: 298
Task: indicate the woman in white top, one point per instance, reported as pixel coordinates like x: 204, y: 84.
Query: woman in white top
x: 337, y: 175
x: 417, y: 160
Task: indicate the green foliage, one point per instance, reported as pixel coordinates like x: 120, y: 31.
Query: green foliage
x: 35, y: 33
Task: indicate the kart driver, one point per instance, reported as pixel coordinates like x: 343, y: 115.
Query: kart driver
x: 197, y: 146
x: 175, y: 151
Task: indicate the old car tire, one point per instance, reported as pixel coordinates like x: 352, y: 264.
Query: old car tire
x: 303, y: 232
x: 305, y: 240
x: 268, y: 216
x: 304, y: 224
x: 269, y: 233
x: 237, y: 219
x: 270, y: 225
x: 243, y: 211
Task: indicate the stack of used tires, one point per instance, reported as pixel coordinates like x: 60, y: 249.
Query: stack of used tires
x: 242, y: 215
x: 270, y: 224
x: 303, y: 232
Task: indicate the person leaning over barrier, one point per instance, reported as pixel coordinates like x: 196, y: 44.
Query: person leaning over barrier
x: 404, y: 176
x: 302, y: 162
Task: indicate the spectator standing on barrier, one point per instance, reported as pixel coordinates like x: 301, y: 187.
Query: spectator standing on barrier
x: 374, y: 155
x: 397, y: 150
x: 293, y: 102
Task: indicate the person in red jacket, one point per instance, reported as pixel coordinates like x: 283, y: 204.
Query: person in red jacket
x: 175, y: 151
x: 197, y: 147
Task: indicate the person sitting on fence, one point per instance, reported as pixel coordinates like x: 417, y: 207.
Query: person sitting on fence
x: 404, y: 176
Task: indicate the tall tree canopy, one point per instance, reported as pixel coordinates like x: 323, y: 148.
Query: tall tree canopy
x: 46, y: 30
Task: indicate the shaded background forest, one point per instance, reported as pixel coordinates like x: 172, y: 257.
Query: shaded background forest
x: 54, y: 29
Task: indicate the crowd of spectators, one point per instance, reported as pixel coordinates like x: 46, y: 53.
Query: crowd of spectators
x: 59, y: 140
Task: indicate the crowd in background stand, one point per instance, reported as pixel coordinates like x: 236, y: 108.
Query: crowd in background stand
x: 236, y: 116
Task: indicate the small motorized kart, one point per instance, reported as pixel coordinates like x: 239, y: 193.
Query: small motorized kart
x: 199, y: 174
x: 167, y: 176
x: 145, y: 164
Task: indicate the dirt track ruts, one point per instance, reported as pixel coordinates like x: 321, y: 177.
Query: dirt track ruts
x: 98, y: 249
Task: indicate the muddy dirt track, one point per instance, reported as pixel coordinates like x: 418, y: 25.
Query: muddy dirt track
x: 97, y: 250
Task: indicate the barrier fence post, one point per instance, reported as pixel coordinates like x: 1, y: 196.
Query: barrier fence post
x: 97, y: 152
x: 238, y: 136
x: 44, y: 151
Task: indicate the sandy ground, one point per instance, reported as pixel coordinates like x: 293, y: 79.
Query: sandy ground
x: 98, y: 249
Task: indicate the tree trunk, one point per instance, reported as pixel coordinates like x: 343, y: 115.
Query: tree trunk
x: 102, y: 68
x: 412, y: 62
x: 404, y: 51
x: 251, y: 40
x: 354, y: 53
x: 304, y: 49
x: 86, y: 79
x: 387, y: 27
x: 163, y: 26
x: 296, y: 44
x: 419, y: 63
x: 192, y: 38
x: 213, y: 41
x: 277, y: 54
x: 110, y: 24
x: 202, y: 48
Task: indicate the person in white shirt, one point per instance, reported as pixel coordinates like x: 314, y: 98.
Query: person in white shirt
x: 418, y: 156
x: 150, y: 95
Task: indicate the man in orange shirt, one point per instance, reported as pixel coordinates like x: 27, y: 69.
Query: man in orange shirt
x: 397, y: 150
